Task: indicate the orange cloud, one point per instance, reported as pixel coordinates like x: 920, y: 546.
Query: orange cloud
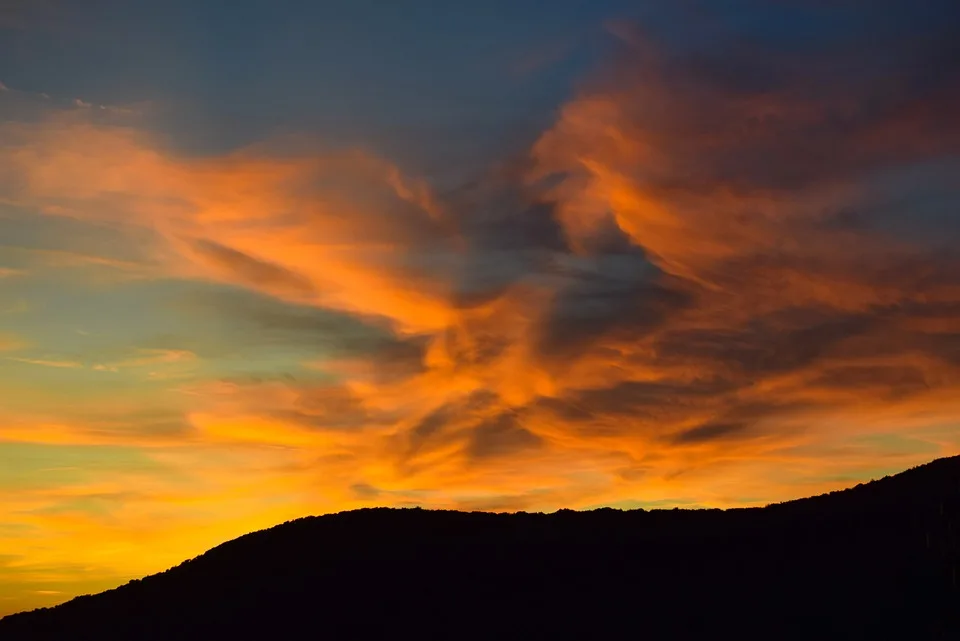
x: 259, y: 222
x: 742, y: 311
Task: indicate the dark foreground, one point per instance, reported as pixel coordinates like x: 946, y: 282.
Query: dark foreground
x: 878, y: 561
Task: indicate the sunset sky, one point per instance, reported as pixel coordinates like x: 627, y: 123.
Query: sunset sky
x: 263, y: 259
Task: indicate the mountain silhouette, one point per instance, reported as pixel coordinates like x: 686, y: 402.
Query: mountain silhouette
x: 878, y: 561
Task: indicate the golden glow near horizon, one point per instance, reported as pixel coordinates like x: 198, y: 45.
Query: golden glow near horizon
x: 196, y: 346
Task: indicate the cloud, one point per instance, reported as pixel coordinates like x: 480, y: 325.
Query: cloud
x: 60, y: 258
x: 249, y: 271
x: 619, y: 295
x: 143, y: 357
x: 503, y: 435
x: 322, y: 339
x: 22, y: 105
x: 345, y: 221
x: 148, y: 357
x: 675, y: 263
x: 94, y: 424
x: 709, y: 432
x: 48, y: 363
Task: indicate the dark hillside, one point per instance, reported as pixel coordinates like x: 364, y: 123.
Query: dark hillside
x: 878, y: 561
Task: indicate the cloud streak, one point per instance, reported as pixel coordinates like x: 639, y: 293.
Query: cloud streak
x: 47, y: 362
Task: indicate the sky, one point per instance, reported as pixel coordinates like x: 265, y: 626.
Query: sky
x: 260, y: 260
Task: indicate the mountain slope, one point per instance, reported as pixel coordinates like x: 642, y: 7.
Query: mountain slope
x: 878, y: 561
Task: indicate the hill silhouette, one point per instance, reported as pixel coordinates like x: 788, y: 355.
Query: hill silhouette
x: 878, y: 561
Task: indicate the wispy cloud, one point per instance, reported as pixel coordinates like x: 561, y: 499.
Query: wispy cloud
x: 686, y: 288
x: 16, y: 102
x: 62, y: 258
x: 142, y: 358
x: 60, y: 364
x: 147, y: 358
